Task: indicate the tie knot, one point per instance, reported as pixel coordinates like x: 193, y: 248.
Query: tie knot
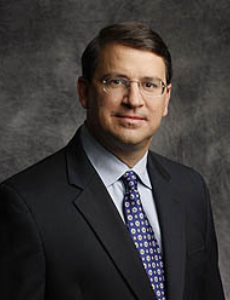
x: 130, y: 180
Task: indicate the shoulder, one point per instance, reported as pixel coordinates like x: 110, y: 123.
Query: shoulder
x: 170, y: 165
x: 36, y: 180
x: 183, y: 183
x: 41, y: 170
x: 179, y: 175
x: 52, y: 170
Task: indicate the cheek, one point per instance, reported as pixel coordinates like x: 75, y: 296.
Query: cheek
x: 155, y: 110
x: 95, y: 105
x: 155, y: 114
x: 100, y: 110
x: 107, y: 105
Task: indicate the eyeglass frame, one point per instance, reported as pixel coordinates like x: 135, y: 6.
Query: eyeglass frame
x: 127, y: 85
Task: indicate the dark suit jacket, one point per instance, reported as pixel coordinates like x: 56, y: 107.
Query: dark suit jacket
x: 62, y: 238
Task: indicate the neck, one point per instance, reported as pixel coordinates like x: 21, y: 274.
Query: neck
x: 128, y: 153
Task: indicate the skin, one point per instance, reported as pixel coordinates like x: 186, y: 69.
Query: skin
x: 124, y: 125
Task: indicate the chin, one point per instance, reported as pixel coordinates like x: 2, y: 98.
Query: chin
x: 132, y: 140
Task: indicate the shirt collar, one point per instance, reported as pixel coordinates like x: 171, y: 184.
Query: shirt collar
x: 109, y: 167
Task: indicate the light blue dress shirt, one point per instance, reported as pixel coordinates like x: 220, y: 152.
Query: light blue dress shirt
x: 110, y: 169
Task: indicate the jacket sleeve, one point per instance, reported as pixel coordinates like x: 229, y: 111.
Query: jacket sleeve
x: 213, y: 285
x: 22, y: 264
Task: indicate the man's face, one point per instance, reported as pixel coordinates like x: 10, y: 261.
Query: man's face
x: 127, y: 120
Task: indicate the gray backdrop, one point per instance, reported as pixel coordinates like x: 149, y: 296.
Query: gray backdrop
x: 40, y: 48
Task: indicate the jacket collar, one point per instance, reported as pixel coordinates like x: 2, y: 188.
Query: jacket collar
x: 171, y: 216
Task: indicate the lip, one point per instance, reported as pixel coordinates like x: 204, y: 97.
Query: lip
x: 131, y: 117
x: 130, y: 121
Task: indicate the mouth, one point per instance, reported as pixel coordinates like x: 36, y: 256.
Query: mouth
x: 130, y: 120
x: 131, y: 117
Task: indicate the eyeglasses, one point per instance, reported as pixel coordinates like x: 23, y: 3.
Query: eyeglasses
x: 149, y: 88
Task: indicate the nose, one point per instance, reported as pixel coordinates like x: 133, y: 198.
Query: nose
x: 133, y: 96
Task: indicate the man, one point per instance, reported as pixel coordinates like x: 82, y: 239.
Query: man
x: 105, y: 218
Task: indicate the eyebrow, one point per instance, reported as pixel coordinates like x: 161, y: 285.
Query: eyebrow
x: 152, y: 78
x: 114, y: 75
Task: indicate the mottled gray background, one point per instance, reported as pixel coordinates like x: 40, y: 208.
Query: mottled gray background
x: 41, y: 42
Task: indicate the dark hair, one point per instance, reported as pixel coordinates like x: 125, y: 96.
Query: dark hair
x: 133, y: 34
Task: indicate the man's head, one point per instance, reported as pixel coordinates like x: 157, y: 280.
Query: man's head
x: 131, y: 34
x: 125, y: 88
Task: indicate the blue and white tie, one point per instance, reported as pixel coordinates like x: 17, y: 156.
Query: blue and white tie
x: 143, y: 235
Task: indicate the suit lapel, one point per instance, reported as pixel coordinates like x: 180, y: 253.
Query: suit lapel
x: 96, y: 206
x: 171, y: 218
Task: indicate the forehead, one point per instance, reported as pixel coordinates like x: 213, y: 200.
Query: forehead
x: 131, y: 62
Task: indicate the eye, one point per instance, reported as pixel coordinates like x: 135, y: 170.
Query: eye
x: 115, y: 82
x: 149, y: 85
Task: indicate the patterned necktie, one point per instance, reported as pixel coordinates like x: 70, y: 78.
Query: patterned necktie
x: 143, y: 235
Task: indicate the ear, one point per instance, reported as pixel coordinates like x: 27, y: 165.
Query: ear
x: 167, y: 99
x: 82, y: 89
